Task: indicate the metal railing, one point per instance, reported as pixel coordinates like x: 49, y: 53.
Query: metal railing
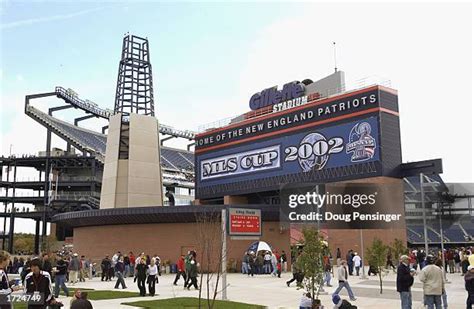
x: 70, y: 95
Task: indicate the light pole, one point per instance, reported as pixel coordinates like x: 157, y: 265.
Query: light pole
x: 362, y: 253
x: 425, y: 229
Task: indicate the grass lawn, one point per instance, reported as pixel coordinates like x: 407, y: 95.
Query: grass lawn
x: 95, y: 295
x: 190, y: 303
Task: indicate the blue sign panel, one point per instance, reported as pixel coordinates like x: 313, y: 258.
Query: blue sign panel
x: 314, y: 149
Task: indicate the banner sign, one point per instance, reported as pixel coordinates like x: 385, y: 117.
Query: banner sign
x: 311, y: 114
x: 343, y: 205
x: 314, y: 149
x: 244, y: 222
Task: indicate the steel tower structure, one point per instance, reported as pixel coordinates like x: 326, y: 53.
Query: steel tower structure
x: 134, y: 92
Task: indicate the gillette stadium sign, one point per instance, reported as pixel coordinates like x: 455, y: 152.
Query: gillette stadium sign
x: 292, y: 94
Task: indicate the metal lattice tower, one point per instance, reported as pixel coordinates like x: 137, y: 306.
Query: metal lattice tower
x: 134, y: 92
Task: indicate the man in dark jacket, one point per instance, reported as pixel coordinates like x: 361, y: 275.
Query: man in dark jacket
x: 60, y: 277
x: 141, y: 276
x: 193, y: 273
x: 82, y: 302
x: 105, y: 265
x: 404, y: 282
x: 47, y: 266
x: 38, y: 282
x: 469, y: 284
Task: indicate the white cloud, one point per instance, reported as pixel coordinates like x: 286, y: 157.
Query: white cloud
x: 32, y: 21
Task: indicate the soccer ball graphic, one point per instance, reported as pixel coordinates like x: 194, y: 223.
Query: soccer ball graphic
x: 314, y: 161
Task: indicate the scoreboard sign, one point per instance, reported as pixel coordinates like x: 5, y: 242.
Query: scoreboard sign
x: 245, y: 222
x: 349, y: 136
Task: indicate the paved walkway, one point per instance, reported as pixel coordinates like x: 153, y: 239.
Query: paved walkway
x: 273, y: 292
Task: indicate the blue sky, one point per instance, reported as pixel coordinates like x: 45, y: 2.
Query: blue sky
x: 209, y: 58
x: 198, y: 47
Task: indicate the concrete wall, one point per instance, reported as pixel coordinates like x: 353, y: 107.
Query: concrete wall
x: 109, y: 178
x: 136, y: 181
x: 329, y: 85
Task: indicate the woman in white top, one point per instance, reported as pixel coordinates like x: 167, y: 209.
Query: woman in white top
x: 5, y: 288
x: 152, y: 277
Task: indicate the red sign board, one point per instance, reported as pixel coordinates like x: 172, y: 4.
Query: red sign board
x: 245, y: 222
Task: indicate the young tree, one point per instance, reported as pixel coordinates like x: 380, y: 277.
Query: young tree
x: 376, y: 255
x: 311, y: 261
x: 209, y: 239
x: 399, y: 248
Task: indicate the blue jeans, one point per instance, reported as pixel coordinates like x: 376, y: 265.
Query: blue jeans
x: 444, y: 297
x: 274, y: 269
x: 127, y: 271
x: 346, y: 285
x: 245, y: 268
x: 433, y: 300
x: 267, y: 268
x: 405, y: 297
x: 327, y: 278
x: 59, y: 282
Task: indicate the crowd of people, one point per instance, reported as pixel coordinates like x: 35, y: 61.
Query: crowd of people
x: 264, y: 262
x: 37, y: 274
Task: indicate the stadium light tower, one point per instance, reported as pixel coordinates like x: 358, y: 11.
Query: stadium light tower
x: 134, y: 92
x: 132, y: 170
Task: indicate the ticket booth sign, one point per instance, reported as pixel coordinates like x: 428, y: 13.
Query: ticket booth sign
x: 244, y: 222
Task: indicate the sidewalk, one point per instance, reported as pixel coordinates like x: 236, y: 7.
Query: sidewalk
x: 273, y: 292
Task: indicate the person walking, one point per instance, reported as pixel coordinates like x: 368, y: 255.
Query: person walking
x: 457, y: 261
x: 342, y: 276
x: 350, y: 262
x: 327, y: 273
x: 433, y: 283
x: 284, y: 261
x: 469, y: 285
x: 450, y: 259
x: 126, y: 264
x: 131, y: 257
x: 47, y: 266
x: 253, y: 268
x: 357, y: 262
x: 83, y: 269
x: 105, y: 265
x: 404, y: 282
x: 444, y: 296
x: 274, y: 262
x: 181, y: 271
x: 152, y: 276
x: 60, y: 277
x: 193, y: 272
x: 74, y: 267
x: 295, y: 272
x: 140, y: 276
x: 119, y: 272
x: 245, y: 263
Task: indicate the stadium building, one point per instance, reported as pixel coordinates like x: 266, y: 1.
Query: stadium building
x: 106, y: 191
